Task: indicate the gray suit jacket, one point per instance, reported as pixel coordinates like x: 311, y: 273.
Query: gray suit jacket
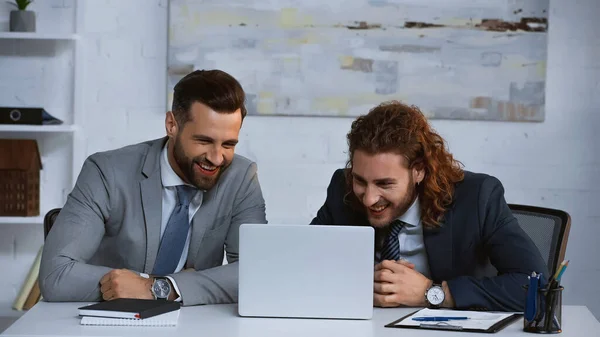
x: 112, y: 220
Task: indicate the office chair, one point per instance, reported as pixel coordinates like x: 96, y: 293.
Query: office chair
x: 549, y: 230
x: 49, y: 220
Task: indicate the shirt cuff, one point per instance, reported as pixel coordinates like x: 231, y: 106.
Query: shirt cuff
x: 178, y: 299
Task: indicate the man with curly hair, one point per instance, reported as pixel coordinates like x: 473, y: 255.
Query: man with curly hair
x: 445, y: 237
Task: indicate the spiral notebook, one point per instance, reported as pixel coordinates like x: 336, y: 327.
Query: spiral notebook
x: 162, y: 320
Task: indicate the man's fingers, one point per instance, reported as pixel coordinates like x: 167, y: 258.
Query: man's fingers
x: 384, y: 301
x: 406, y: 263
x: 110, y: 275
x: 383, y: 288
x: 392, y: 265
x: 105, y: 287
x: 384, y: 276
x: 105, y: 278
x: 109, y: 295
x: 377, y: 298
x: 380, y: 265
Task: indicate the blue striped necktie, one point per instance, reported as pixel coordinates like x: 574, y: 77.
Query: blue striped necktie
x: 391, y: 246
x: 173, y: 239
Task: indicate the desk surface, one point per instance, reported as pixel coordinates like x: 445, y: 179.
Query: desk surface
x: 60, y: 319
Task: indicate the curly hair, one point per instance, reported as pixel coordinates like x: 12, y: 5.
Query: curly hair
x: 403, y: 129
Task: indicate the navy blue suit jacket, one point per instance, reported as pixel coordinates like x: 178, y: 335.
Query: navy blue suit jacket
x: 479, y: 250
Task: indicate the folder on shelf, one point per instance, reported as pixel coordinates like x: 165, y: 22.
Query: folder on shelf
x: 29, y: 282
x: 34, y: 296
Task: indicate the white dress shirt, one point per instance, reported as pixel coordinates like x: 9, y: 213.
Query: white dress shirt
x: 412, y: 246
x: 170, y: 180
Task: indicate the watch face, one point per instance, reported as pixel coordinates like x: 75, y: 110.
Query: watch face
x: 435, y: 295
x: 161, y: 288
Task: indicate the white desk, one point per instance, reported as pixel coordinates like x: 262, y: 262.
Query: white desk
x: 60, y: 319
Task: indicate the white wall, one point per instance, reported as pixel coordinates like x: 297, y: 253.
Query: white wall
x: 552, y: 164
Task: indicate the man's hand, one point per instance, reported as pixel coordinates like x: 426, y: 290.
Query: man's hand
x: 397, y: 283
x: 123, y: 283
x: 401, y: 261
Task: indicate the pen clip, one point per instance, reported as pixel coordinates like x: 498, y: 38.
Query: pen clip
x: 540, y: 281
x: 440, y: 325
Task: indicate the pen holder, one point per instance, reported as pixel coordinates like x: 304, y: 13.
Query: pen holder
x: 548, y: 313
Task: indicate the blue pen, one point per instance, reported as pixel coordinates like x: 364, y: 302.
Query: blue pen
x: 531, y: 309
x: 438, y: 319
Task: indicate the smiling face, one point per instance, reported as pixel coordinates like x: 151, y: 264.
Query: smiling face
x: 202, y: 148
x: 384, y: 184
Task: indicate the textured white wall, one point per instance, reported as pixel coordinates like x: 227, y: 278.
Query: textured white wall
x: 552, y: 164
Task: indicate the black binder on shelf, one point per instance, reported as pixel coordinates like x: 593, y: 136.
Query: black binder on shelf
x: 455, y: 325
x: 27, y: 116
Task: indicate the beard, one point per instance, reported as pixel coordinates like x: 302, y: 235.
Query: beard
x: 187, y: 166
x: 392, y: 212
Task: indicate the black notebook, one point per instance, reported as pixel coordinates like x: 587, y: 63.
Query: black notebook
x: 129, y: 308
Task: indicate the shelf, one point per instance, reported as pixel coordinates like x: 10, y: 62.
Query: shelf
x: 37, y: 128
x: 6, y: 310
x: 37, y: 36
x: 35, y: 220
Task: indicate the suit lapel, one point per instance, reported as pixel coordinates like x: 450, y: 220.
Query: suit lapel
x: 438, y: 244
x: 202, y: 220
x: 151, y: 192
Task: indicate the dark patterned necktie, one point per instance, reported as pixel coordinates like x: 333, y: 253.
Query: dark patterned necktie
x: 391, y: 246
x: 173, y: 239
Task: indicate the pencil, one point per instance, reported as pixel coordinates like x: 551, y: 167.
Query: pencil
x: 560, y: 267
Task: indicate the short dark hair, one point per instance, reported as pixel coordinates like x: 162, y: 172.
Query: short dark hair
x: 214, y: 88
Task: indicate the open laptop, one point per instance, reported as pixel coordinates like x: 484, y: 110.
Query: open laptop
x: 304, y: 271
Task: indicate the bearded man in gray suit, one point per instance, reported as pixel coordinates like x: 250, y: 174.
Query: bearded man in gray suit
x: 152, y: 220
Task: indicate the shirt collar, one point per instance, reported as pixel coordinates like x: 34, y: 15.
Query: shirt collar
x: 412, y: 216
x: 168, y: 176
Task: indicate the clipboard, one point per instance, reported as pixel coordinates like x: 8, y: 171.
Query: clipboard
x: 455, y: 326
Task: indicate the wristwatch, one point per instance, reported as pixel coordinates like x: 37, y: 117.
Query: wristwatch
x: 434, y: 296
x: 161, y: 288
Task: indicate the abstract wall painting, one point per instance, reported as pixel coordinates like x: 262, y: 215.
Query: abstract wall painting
x: 455, y: 59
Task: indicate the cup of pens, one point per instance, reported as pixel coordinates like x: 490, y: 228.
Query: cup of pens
x: 543, y: 305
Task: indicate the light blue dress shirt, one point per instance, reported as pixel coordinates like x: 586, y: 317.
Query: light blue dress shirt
x: 412, y: 245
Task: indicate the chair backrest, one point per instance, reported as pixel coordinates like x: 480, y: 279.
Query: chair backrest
x: 549, y: 230
x: 49, y: 220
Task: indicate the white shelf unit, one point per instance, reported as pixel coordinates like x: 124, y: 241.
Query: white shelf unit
x: 71, y: 132
x: 37, y: 36
x: 73, y: 129
x: 17, y: 220
x: 38, y: 128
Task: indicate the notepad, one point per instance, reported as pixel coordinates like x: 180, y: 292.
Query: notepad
x: 129, y: 308
x: 477, y: 321
x: 162, y: 320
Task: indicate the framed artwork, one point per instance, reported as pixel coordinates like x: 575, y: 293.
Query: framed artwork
x: 467, y: 59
